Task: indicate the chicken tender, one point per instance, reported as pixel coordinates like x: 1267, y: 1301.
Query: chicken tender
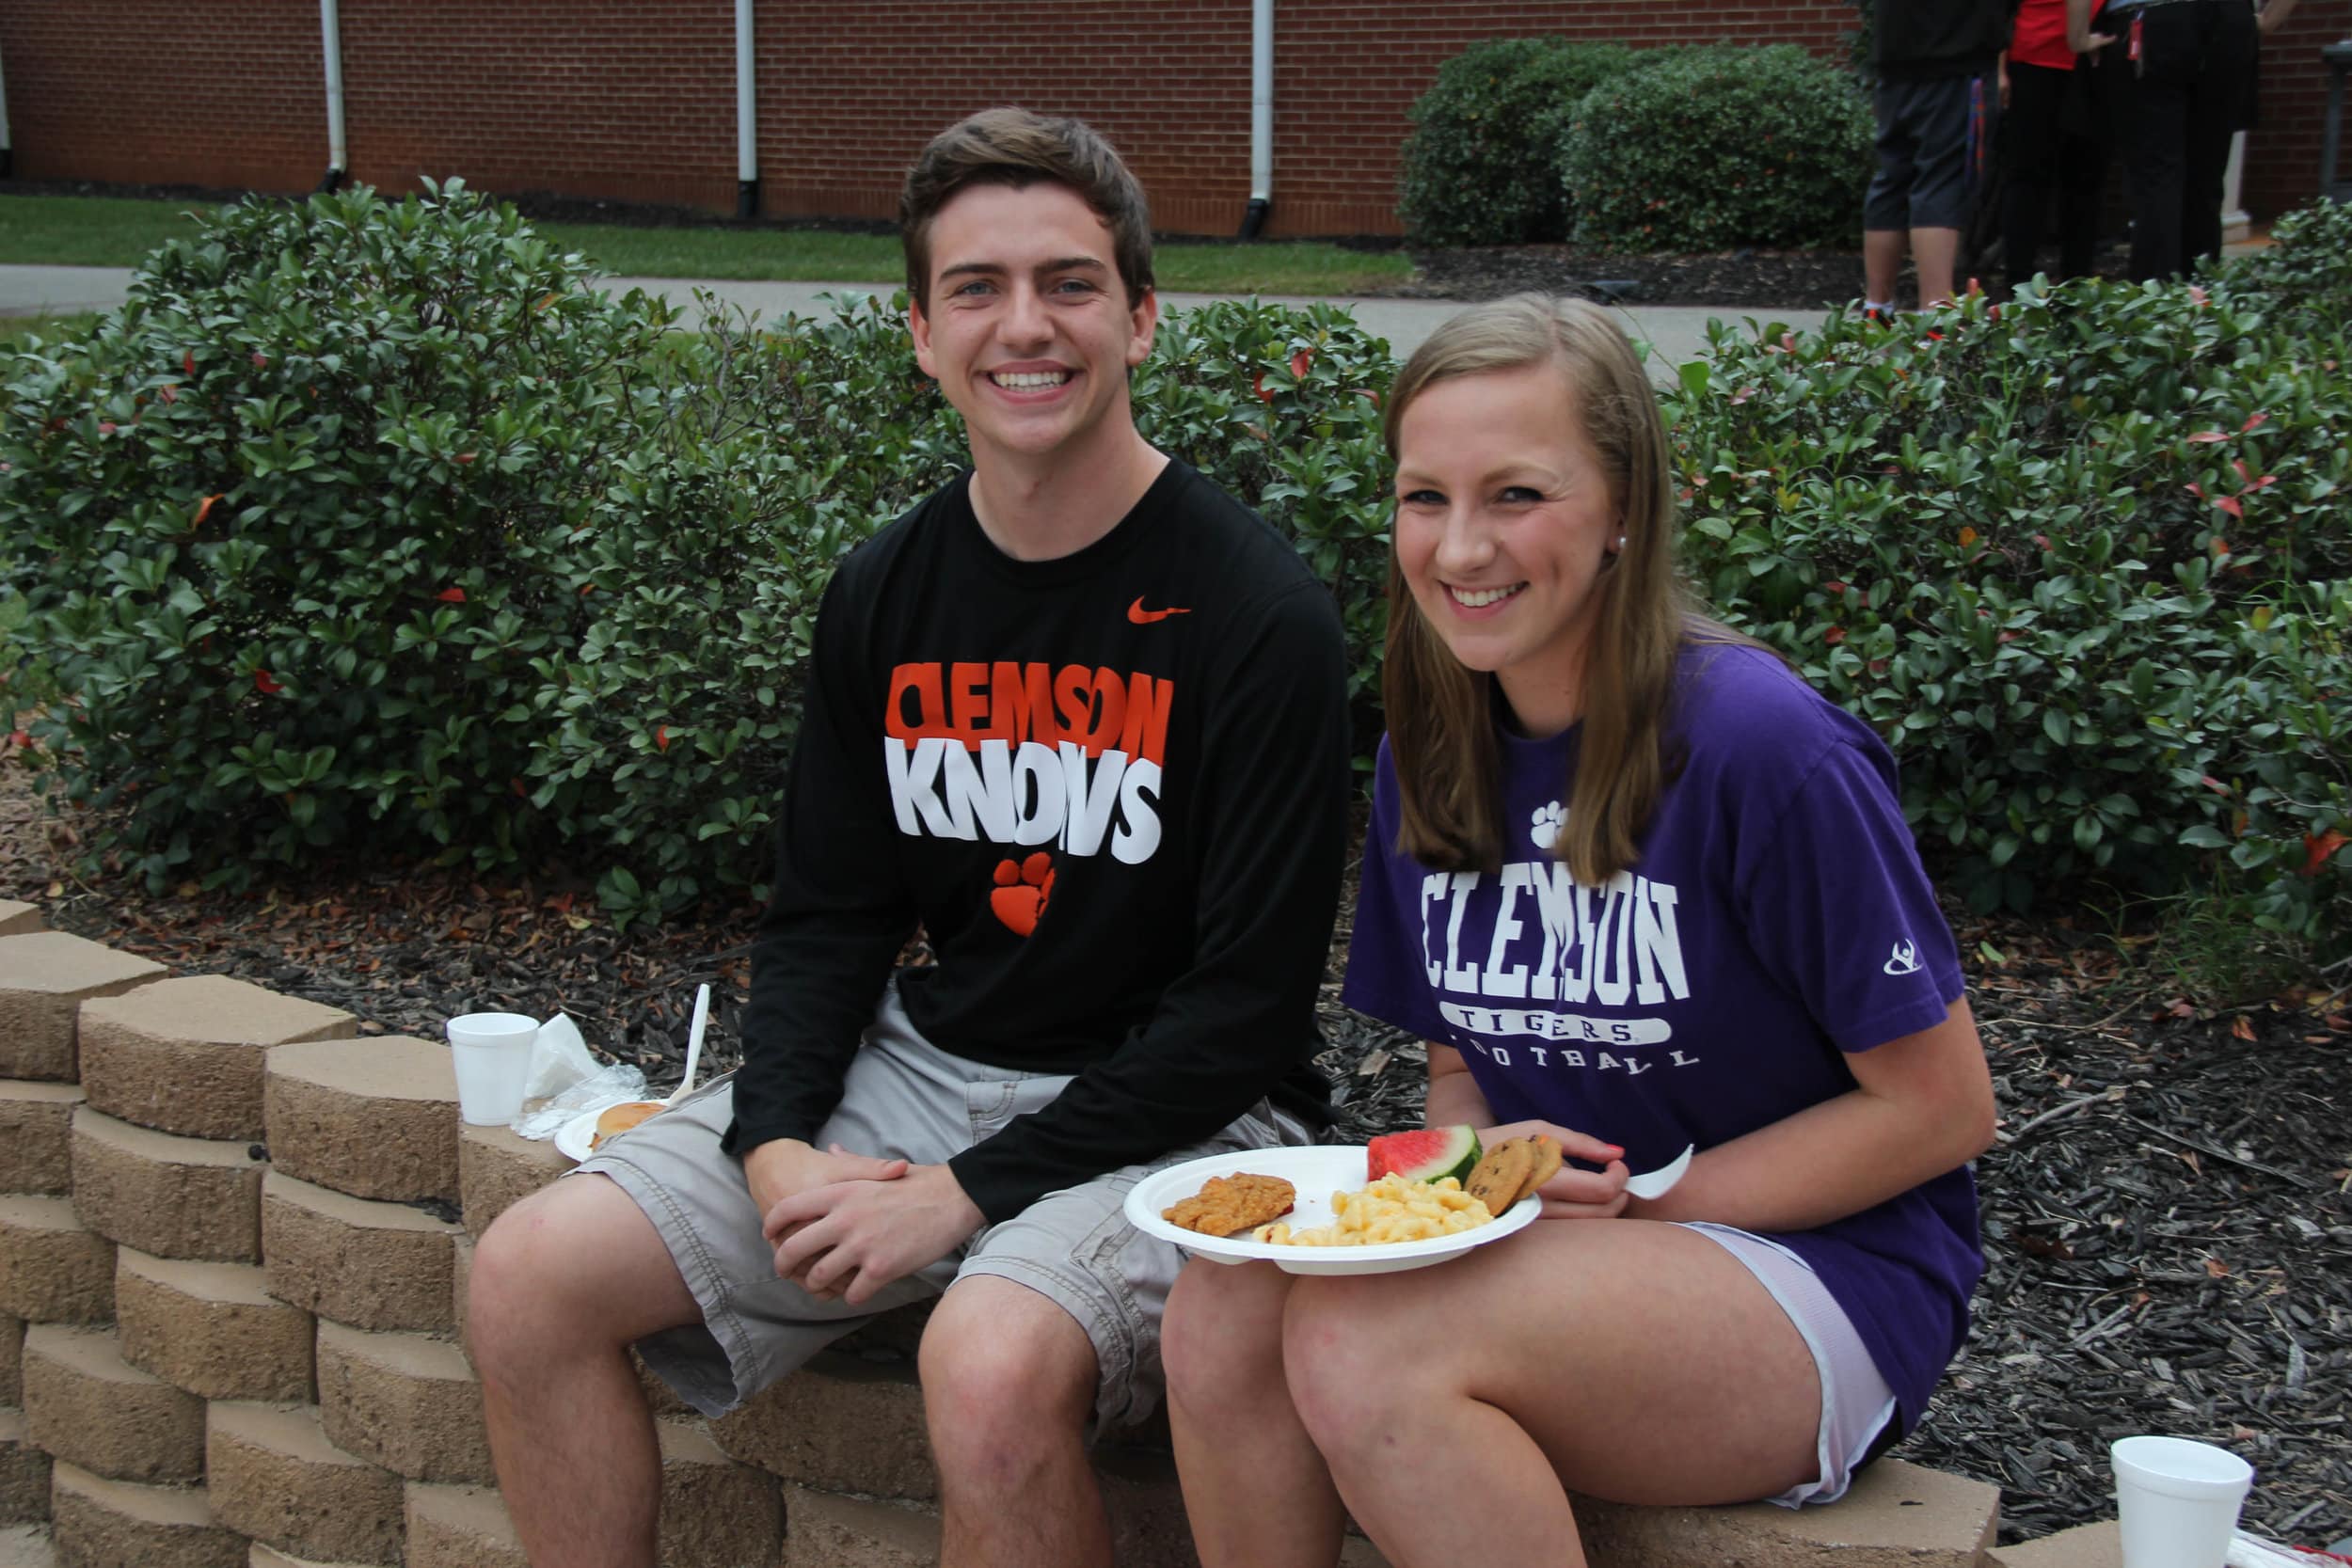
x: 1232, y: 1203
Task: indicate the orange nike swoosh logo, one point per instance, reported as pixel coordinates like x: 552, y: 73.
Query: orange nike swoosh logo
x: 1143, y: 617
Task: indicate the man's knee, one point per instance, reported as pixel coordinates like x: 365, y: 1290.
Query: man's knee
x: 1007, y: 1375
x: 574, y: 1269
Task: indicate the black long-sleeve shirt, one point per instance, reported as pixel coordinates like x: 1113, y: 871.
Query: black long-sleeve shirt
x: 1112, y: 788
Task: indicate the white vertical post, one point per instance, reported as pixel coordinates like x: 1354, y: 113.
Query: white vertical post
x: 7, y: 151
x: 331, y: 41
x: 1261, y: 101
x: 2235, y: 224
x: 746, y: 117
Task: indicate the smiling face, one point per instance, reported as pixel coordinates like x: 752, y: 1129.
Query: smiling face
x: 1505, y: 525
x: 1028, y: 331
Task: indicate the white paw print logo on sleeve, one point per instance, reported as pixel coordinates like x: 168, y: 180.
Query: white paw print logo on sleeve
x: 1545, y: 828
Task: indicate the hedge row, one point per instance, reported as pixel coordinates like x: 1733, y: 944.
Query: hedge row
x: 377, y: 524
x: 376, y: 527
x: 1544, y: 141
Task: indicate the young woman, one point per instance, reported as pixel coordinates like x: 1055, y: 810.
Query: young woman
x: 1641, y: 889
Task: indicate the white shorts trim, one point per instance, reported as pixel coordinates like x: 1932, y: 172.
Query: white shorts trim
x: 1856, y: 1403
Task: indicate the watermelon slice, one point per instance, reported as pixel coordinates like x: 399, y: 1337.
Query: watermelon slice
x: 1426, y: 1155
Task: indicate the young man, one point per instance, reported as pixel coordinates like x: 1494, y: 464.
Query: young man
x: 1081, y: 717
x: 1929, y: 54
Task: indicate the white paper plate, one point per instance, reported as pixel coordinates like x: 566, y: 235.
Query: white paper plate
x: 1317, y: 1171
x: 575, y: 1137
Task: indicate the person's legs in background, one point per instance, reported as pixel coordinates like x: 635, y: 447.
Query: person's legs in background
x: 2033, y: 163
x: 1886, y: 210
x: 2229, y: 41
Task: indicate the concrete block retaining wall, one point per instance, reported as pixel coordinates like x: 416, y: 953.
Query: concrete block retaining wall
x: 228, y: 1328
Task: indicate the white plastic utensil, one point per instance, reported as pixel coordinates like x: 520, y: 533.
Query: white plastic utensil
x: 1656, y: 1183
x: 693, y: 1044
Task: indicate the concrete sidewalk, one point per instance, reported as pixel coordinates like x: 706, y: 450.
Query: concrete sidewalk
x: 1676, y: 333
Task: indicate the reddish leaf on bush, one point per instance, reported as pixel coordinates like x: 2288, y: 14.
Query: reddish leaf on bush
x: 661, y: 738
x: 2195, y: 489
x: 1258, y: 382
x: 20, y: 738
x: 260, y: 359
x: 267, y: 683
x: 2220, y: 546
x: 2229, y: 504
x: 105, y: 427
x: 1968, y: 537
x: 2318, y: 851
x: 2213, y: 783
x: 1834, y: 636
x: 1833, y: 587
x: 516, y: 785
x: 169, y: 393
x: 1300, y: 362
x: 2207, y: 437
x: 187, y: 361
x: 451, y: 596
x: 465, y: 457
x: 2198, y: 296
x: 203, y: 510
x: 2252, y: 420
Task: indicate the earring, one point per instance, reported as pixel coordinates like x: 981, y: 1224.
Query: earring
x: 1620, y: 541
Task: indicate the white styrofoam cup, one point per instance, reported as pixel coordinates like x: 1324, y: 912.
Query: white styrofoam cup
x: 491, y: 1054
x: 2177, y: 1501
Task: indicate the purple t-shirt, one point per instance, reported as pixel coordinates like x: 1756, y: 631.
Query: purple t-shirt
x: 1777, y: 917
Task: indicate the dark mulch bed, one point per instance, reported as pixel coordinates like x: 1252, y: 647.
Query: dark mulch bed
x: 1756, y: 279
x: 2167, y: 1215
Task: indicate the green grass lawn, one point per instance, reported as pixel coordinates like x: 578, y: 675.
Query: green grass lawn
x: 15, y: 329
x: 77, y: 231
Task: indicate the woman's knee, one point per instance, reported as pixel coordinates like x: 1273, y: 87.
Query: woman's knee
x: 1349, y: 1355
x: 1222, y: 1332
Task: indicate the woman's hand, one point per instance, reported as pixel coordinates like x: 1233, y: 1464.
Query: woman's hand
x: 1573, y: 1195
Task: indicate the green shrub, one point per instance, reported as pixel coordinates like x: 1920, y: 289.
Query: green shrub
x: 373, y: 526
x: 293, y: 522
x: 1719, y: 146
x: 2079, y: 557
x: 1482, y: 164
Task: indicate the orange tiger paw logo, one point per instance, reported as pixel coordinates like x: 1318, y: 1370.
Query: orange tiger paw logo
x: 1020, y: 892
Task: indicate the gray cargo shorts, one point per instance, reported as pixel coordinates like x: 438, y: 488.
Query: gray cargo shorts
x: 903, y: 1097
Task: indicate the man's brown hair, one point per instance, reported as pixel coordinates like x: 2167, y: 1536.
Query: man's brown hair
x: 1013, y: 146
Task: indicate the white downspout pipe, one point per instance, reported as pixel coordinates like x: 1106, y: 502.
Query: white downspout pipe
x: 7, y: 152
x: 1261, y: 116
x: 331, y: 42
x: 746, y: 118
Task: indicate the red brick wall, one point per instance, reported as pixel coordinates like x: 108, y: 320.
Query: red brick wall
x: 162, y: 92
x: 2283, y: 154
x: 633, y: 99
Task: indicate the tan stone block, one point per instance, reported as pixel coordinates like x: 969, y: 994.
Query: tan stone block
x: 26, y: 1547
x: 270, y: 1557
x: 45, y: 977
x: 359, y: 1262
x: 23, y: 1473
x: 186, y: 1054
x: 844, y: 1431
x: 87, y: 1407
x: 497, y: 1167
x: 212, y: 1329
x: 714, y: 1510
x: 822, y: 1530
x: 460, y: 1271
x: 2099, y: 1545
x: 404, y: 1402
x: 53, y: 1269
x: 111, y: 1523
x: 1897, y: 1515
x: 20, y: 919
x: 460, y: 1527
x: 11, y: 1360
x: 371, y: 1118
x: 166, y: 1195
x: 36, y: 1127
x: 274, y: 1477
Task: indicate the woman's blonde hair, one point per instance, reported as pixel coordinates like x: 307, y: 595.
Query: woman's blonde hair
x: 1440, y: 714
